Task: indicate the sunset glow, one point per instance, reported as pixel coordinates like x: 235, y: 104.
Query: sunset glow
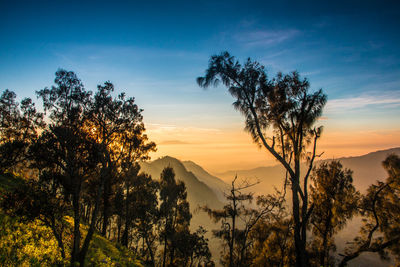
x: 351, y: 51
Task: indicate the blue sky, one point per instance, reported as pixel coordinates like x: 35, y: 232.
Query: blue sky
x: 155, y: 50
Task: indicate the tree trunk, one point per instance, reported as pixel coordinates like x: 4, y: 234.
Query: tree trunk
x: 59, y: 241
x: 125, y: 235
x: 325, y: 250
x: 165, y: 249
x: 106, y: 205
x: 89, y: 235
x: 299, y: 235
x: 150, y: 250
x: 77, y: 234
x: 119, y: 225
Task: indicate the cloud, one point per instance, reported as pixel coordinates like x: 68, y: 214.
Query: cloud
x: 174, y: 142
x: 171, y: 127
x: 344, y: 104
x: 265, y: 37
x: 323, y: 118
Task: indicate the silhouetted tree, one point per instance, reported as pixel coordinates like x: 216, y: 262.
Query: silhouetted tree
x: 144, y: 211
x: 19, y: 123
x: 284, y: 105
x: 238, y: 220
x: 116, y: 124
x: 88, y: 151
x: 174, y: 215
x: 67, y: 148
x: 334, y: 200
x: 193, y: 248
x: 380, y: 210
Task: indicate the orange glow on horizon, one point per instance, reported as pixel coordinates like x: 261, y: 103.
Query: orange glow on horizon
x: 222, y: 150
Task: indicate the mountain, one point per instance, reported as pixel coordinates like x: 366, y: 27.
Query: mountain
x: 267, y: 178
x: 198, y: 192
x: 216, y: 184
x: 366, y: 170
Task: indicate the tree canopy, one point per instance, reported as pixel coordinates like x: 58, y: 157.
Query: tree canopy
x: 280, y: 114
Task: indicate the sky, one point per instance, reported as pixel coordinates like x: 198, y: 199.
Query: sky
x: 155, y: 50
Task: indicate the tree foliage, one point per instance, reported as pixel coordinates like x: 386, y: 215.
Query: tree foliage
x: 280, y: 115
x: 174, y: 215
x: 239, y: 221
x: 19, y: 125
x: 380, y: 211
x: 82, y: 156
x: 334, y: 201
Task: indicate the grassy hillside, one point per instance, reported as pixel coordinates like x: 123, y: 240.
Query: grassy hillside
x: 32, y: 244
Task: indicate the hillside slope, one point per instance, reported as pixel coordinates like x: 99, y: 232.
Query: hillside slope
x: 366, y: 170
x: 216, y: 184
x: 198, y: 192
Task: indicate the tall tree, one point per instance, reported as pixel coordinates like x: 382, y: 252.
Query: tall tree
x: 67, y: 149
x: 334, y: 200
x: 285, y: 105
x: 144, y: 212
x: 380, y: 210
x: 174, y: 215
x: 117, y: 125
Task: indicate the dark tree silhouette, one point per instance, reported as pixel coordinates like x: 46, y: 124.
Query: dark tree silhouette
x: 334, y: 200
x: 116, y: 124
x: 238, y: 221
x: 85, y: 157
x: 193, y: 248
x: 380, y: 210
x: 285, y: 105
x: 19, y: 123
x: 143, y: 211
x: 174, y: 215
x: 68, y: 151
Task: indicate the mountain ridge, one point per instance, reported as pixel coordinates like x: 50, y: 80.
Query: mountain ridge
x: 198, y: 191
x: 366, y: 169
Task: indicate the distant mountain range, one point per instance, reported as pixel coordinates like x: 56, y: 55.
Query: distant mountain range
x: 206, y: 189
x: 366, y: 170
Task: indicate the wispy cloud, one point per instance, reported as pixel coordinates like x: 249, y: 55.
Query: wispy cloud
x: 168, y: 128
x: 265, y: 37
x: 345, y: 104
x: 174, y: 142
x: 323, y: 118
